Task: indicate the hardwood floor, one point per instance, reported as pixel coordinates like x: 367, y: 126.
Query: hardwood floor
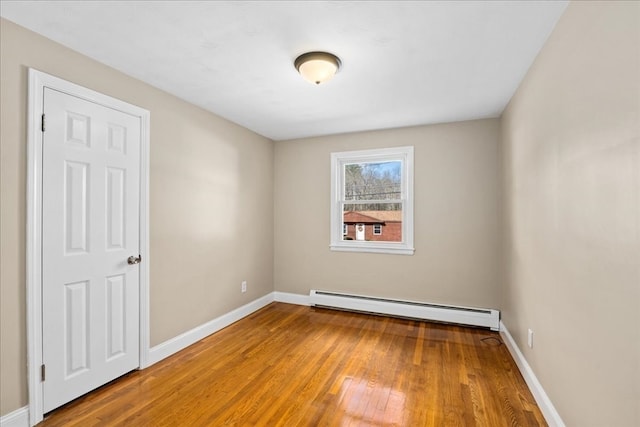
x: 288, y: 365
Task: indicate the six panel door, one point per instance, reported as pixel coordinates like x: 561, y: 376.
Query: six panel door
x: 90, y: 226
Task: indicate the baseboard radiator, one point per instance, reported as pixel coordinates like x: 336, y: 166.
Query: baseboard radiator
x: 486, y: 318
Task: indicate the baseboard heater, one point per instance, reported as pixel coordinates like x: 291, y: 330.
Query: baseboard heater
x: 486, y: 318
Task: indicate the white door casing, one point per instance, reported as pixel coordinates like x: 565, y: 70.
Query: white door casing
x: 360, y: 231
x: 87, y: 212
x: 90, y: 225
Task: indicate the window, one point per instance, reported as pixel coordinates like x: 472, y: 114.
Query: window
x: 371, y: 188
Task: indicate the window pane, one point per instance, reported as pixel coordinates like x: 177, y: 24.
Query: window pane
x: 361, y: 219
x: 373, y: 181
x: 372, y: 200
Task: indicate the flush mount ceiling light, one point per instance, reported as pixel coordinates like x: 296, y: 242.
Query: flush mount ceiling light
x: 317, y: 67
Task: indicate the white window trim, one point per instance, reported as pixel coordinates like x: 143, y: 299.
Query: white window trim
x: 379, y: 233
x: 338, y: 160
x: 345, y: 229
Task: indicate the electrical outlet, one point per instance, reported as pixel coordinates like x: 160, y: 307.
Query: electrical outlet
x: 244, y: 286
x: 530, y: 338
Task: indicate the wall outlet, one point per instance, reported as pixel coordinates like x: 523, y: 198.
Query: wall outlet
x: 243, y: 287
x: 530, y: 338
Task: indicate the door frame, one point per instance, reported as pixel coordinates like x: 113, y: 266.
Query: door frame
x: 37, y: 82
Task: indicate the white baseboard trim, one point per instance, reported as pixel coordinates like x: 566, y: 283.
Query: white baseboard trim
x: 290, y: 298
x: 549, y: 411
x: 184, y: 340
x: 17, y: 418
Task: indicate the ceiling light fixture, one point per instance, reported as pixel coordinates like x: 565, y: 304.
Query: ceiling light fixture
x: 317, y: 67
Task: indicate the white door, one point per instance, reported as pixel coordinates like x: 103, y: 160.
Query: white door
x: 90, y: 226
x: 359, y: 231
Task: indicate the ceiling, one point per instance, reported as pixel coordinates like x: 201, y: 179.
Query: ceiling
x: 404, y: 63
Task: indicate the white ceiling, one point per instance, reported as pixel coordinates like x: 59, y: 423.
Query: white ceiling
x: 404, y: 62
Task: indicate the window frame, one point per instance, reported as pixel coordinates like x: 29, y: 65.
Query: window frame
x: 378, y: 227
x: 379, y: 155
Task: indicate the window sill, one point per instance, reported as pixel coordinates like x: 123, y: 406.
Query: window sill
x: 377, y: 249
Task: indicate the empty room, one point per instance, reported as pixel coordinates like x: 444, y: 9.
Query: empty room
x: 320, y: 213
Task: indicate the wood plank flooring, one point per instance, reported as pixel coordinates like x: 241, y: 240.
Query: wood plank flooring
x: 288, y: 365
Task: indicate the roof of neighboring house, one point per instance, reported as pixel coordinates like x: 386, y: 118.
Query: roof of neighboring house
x: 372, y: 217
x: 358, y: 218
x: 384, y: 215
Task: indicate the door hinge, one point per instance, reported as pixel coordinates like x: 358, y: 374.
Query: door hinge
x: 42, y: 372
x: 42, y: 122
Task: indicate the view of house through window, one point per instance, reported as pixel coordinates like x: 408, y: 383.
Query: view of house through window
x: 373, y: 201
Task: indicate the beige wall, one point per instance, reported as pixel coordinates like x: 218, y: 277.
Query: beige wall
x: 571, y: 154
x: 211, y: 202
x: 456, y: 218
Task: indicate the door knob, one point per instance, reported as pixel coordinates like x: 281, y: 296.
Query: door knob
x: 132, y: 260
